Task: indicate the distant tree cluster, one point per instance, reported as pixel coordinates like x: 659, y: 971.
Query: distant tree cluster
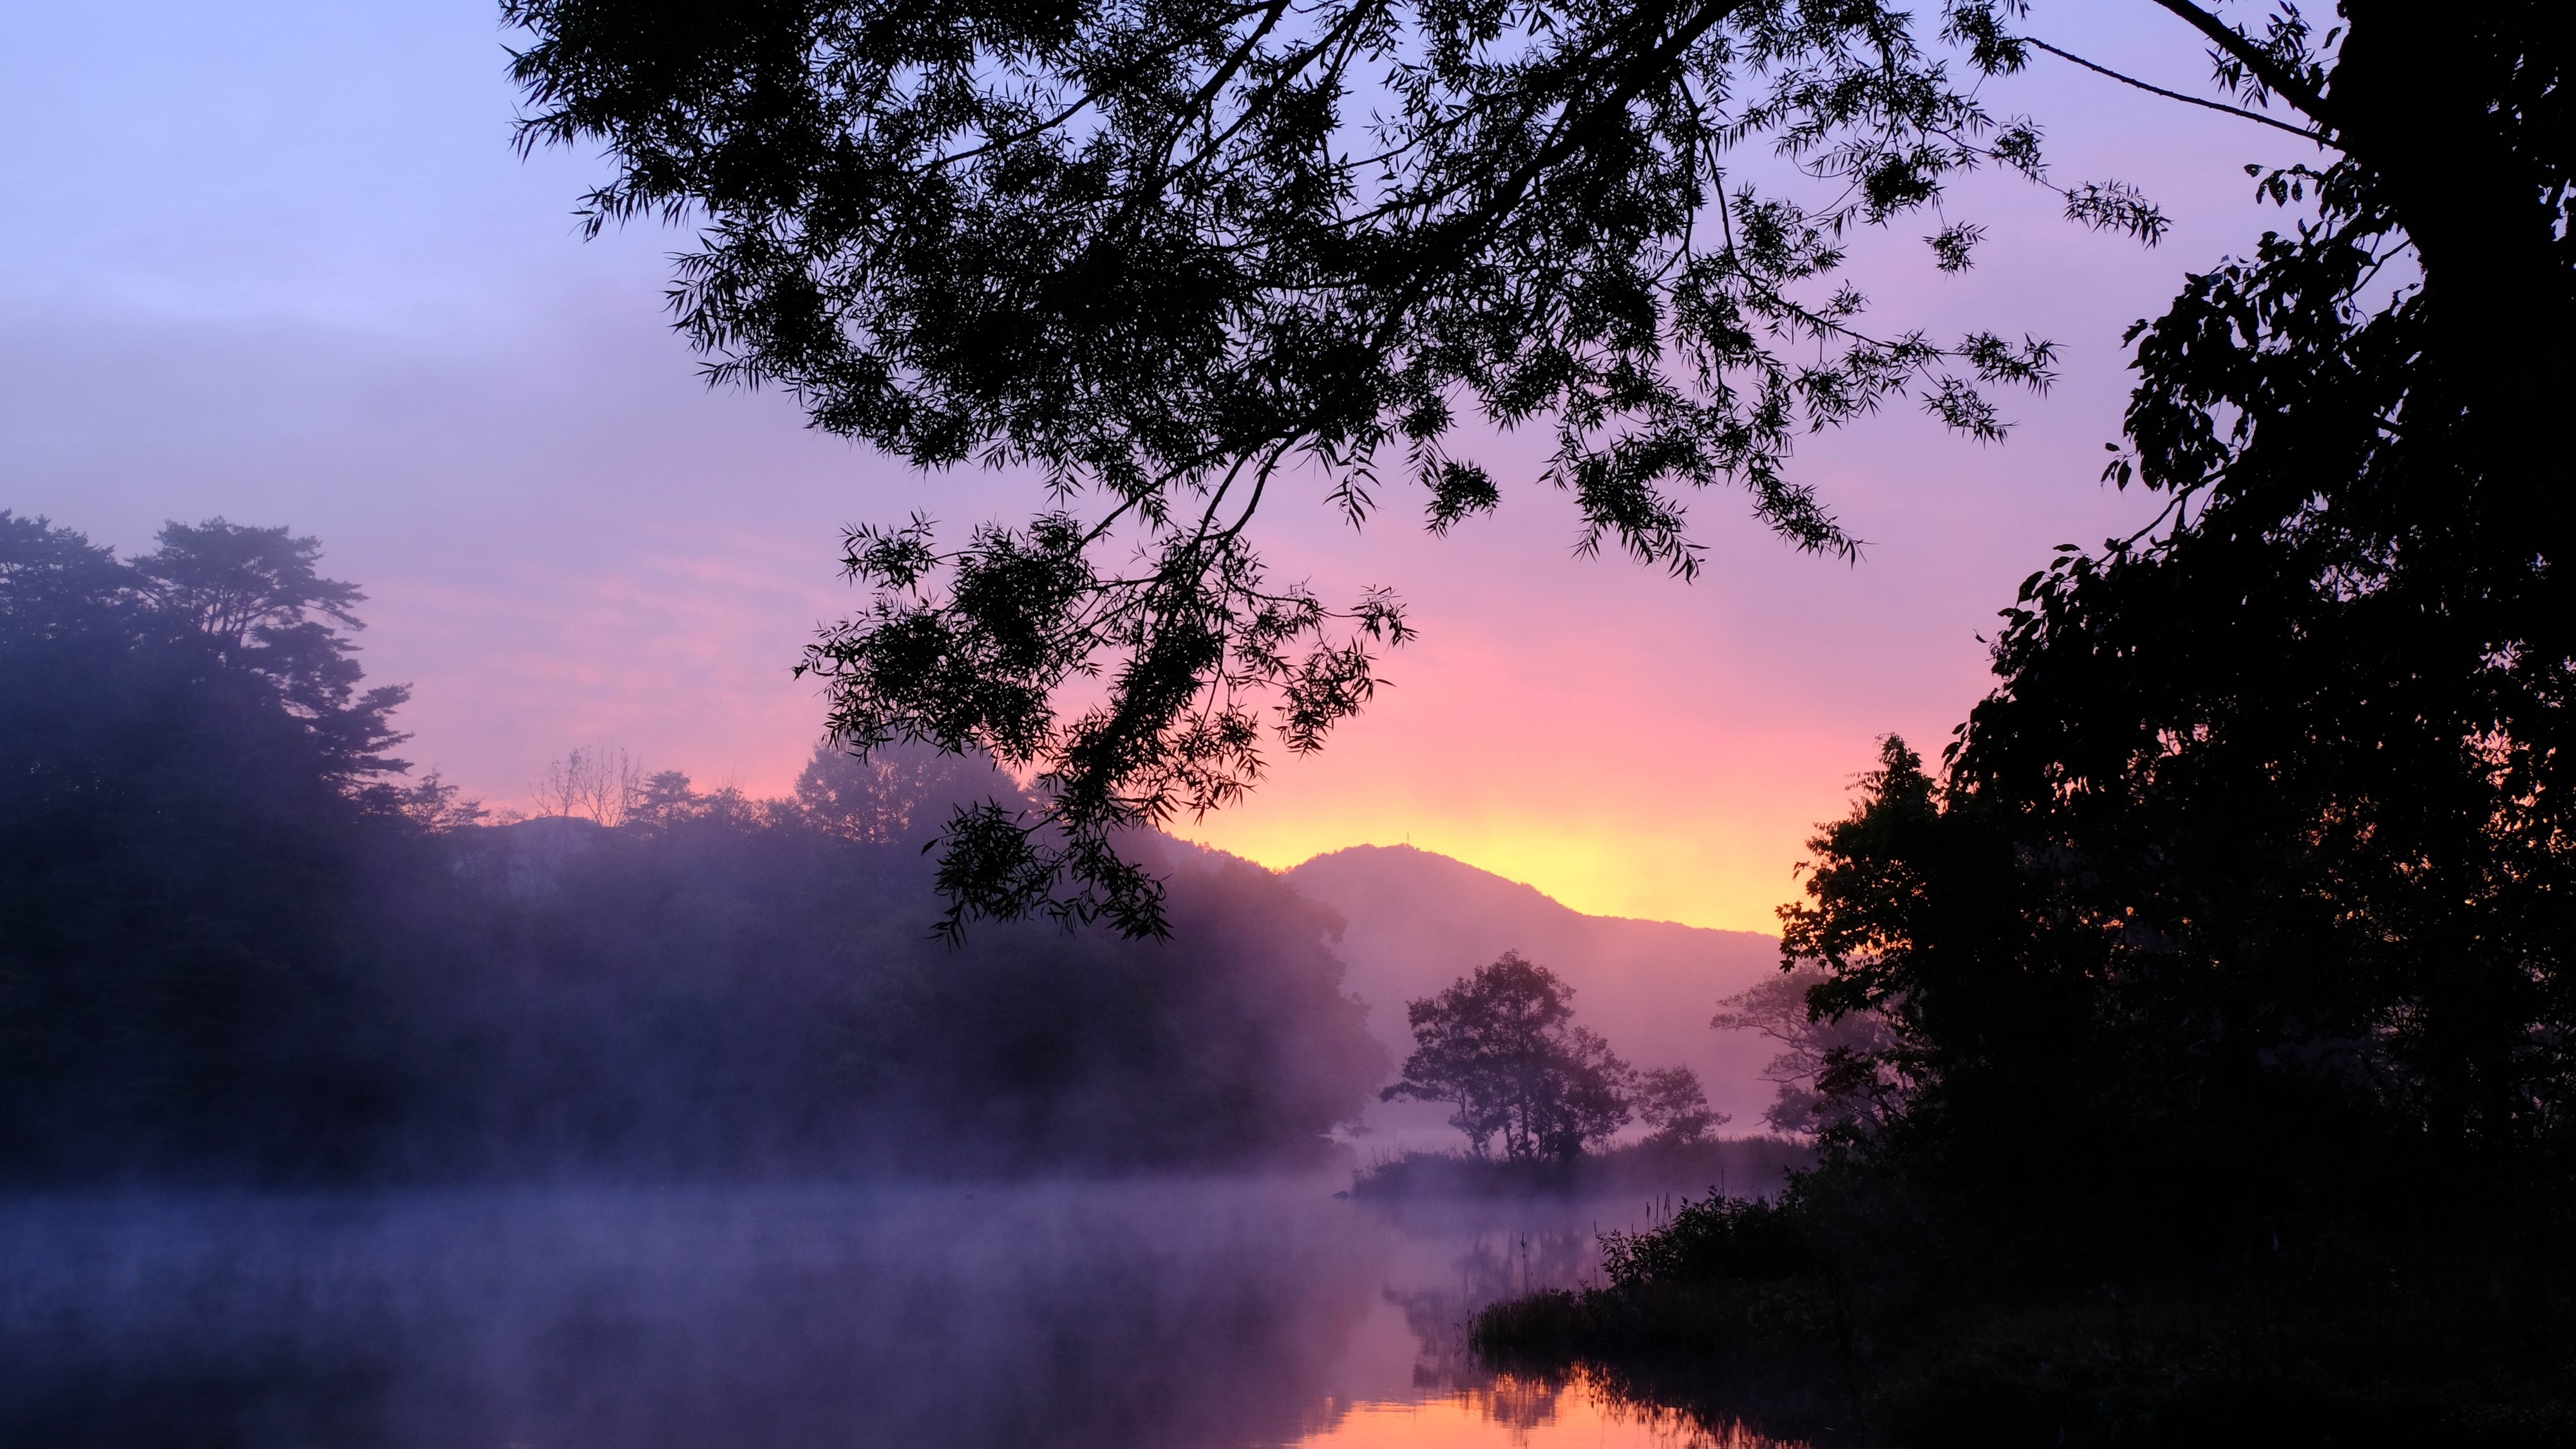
x: 1501, y: 1045
x: 754, y: 982
x: 235, y: 943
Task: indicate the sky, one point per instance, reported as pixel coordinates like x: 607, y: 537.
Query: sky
x: 278, y: 262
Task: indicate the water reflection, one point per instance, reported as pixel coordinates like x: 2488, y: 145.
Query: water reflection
x: 1198, y: 1316
x: 1530, y: 1415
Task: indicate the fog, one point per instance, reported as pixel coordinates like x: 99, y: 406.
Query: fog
x: 784, y: 1318
x: 755, y: 990
x: 1121, y: 1315
x: 335, y: 1109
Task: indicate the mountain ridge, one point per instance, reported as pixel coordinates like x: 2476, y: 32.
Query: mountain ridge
x: 1471, y: 868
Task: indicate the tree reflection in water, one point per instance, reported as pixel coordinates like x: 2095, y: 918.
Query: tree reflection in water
x: 1533, y: 1413
x: 1491, y: 1262
x: 1468, y: 1401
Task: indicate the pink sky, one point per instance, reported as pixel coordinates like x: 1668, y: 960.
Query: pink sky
x: 287, y: 270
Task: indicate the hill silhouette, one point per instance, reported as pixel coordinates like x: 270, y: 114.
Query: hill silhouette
x: 1414, y: 921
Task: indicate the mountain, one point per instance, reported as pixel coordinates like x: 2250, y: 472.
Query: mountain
x: 1415, y: 921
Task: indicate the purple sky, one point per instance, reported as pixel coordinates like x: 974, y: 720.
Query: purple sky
x: 278, y: 262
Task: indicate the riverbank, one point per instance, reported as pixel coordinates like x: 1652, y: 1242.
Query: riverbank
x: 2341, y: 1343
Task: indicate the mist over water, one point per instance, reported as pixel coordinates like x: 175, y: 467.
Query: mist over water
x: 1139, y: 1314
x: 336, y: 1112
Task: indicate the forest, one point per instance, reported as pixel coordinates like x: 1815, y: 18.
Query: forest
x: 239, y: 944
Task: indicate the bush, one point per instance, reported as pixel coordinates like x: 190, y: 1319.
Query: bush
x: 1714, y: 1238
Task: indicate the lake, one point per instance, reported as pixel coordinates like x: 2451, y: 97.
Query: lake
x: 1133, y: 1315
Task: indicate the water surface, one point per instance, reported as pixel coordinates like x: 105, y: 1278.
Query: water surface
x: 1126, y: 1316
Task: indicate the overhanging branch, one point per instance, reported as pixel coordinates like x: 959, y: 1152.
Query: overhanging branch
x: 2279, y: 78
x: 2208, y: 105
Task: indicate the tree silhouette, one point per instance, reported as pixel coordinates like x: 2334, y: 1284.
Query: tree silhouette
x: 1817, y: 1050
x: 192, y: 785
x: 1674, y: 1107
x: 2255, y: 861
x: 601, y: 783
x: 253, y: 594
x: 1502, y: 1046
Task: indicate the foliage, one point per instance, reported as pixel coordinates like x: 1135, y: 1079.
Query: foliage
x: 1172, y: 254
x: 2066, y: 1047
x: 1712, y: 1238
x: 1502, y: 1045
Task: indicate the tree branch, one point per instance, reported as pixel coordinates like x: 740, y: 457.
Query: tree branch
x: 2227, y: 110
x: 2258, y: 60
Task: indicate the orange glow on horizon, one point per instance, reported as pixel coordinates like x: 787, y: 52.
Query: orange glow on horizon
x: 1591, y: 865
x: 1616, y: 788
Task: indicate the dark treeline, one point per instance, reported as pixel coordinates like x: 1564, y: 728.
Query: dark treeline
x: 238, y: 943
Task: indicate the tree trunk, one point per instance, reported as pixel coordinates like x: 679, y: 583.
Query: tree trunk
x: 2431, y: 105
